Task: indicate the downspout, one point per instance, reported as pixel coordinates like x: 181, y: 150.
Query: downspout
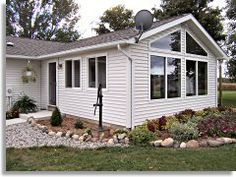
x: 131, y: 83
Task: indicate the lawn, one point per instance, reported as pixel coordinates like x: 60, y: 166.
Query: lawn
x: 229, y: 98
x: 121, y: 159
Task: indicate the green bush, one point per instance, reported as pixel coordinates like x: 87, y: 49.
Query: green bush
x: 25, y: 104
x: 88, y: 131
x: 170, y: 121
x: 13, y: 113
x: 120, y: 131
x: 196, y: 119
x: 79, y: 124
x: 56, y: 118
x: 184, y: 132
x: 141, y: 136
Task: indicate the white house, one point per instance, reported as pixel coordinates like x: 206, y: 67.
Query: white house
x: 172, y: 68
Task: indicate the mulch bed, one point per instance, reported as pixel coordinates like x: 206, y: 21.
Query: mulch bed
x: 69, y: 124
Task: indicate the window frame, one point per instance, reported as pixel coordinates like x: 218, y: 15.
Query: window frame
x: 196, y: 68
x: 72, y: 73
x: 166, y: 83
x: 96, y: 56
x: 152, y: 49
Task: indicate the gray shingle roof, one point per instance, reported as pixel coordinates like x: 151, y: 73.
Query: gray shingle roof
x: 35, y: 47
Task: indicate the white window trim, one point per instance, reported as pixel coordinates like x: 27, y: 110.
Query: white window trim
x: 196, y: 75
x: 96, y: 75
x: 166, y: 91
x: 72, y: 68
x: 166, y: 34
x: 197, y: 41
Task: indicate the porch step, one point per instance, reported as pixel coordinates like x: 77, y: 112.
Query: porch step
x: 51, y: 107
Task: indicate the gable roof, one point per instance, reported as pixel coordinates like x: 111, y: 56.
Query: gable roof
x: 39, y: 49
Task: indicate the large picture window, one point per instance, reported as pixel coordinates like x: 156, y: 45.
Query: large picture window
x: 165, y: 77
x: 170, y: 42
x: 202, y: 78
x: 72, y: 73
x: 173, y: 77
x: 190, y: 77
x: 196, y: 72
x: 97, y: 71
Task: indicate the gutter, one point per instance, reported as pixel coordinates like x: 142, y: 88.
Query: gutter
x: 131, y: 83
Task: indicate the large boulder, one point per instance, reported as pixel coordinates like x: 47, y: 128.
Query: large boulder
x: 183, y: 145
x: 168, y: 142
x: 215, y: 143
x: 157, y: 143
x: 192, y: 144
x: 203, y: 143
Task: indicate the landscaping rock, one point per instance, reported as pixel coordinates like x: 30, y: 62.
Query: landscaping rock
x: 233, y: 140
x: 151, y: 143
x: 51, y: 133
x: 183, y: 145
x: 44, y: 129
x: 115, y: 139
x: 226, y: 140
x: 111, y: 131
x: 82, y: 138
x: 203, y: 143
x: 192, y: 144
x: 215, y: 143
x: 157, y: 143
x: 30, y: 120
x: 75, y: 137
x: 167, y: 142
x: 176, y: 144
x: 33, y: 124
x: 59, y: 134
x: 94, y: 139
x: 69, y: 134
x: 104, y: 140
x: 101, y: 136
x: 126, y: 140
x: 110, y: 142
x: 88, y: 138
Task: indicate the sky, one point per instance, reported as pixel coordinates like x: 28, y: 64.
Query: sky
x: 91, y: 10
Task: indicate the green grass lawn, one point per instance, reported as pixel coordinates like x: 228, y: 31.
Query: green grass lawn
x: 121, y: 159
x: 229, y: 98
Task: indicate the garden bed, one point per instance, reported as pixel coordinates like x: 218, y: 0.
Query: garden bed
x: 68, y: 124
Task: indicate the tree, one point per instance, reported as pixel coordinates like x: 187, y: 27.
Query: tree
x: 115, y: 18
x: 42, y: 19
x: 231, y: 39
x: 209, y: 17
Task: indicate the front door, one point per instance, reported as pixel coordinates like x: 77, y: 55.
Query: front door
x: 52, y: 83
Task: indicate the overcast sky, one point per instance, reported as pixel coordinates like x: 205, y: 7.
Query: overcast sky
x: 91, y: 10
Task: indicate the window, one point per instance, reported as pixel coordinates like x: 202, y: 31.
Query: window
x: 173, y: 77
x: 157, y: 77
x: 193, y: 47
x: 190, y: 77
x: 76, y: 73
x: 97, y: 71
x: 170, y: 42
x: 202, y: 78
x: 72, y: 73
x: 165, y: 77
x: 68, y: 68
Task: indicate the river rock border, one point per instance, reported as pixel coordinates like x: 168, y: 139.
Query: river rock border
x: 117, y: 139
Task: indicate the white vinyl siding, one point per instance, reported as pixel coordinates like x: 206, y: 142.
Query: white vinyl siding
x: 79, y: 102
x: 146, y: 108
x: 14, y: 71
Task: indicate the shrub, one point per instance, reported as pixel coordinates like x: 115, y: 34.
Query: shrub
x: 56, y: 118
x: 141, y: 136
x: 79, y: 124
x: 162, y: 123
x: 170, y: 121
x: 224, y: 109
x: 88, y: 131
x: 184, y: 131
x: 120, y: 131
x: 185, y: 115
x: 218, y: 126
x: 153, y: 125
x: 13, y: 113
x: 25, y: 104
x: 195, y: 119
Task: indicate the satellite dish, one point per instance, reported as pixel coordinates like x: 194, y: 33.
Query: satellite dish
x: 143, y: 21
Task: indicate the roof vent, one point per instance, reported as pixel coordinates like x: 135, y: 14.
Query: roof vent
x: 10, y: 44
